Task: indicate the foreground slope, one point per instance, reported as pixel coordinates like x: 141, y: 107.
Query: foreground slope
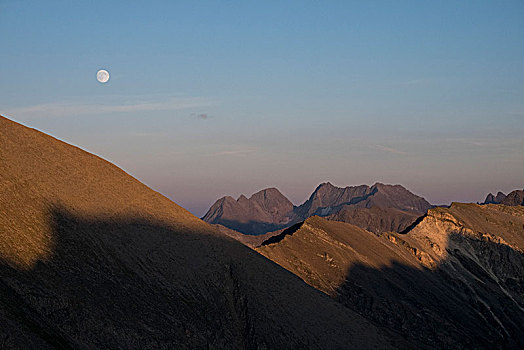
x: 455, y: 280
x: 92, y: 258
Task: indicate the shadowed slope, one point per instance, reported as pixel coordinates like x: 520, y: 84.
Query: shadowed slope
x: 137, y: 283
x: 92, y: 258
x: 455, y: 280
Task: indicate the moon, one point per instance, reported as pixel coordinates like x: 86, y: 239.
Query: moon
x: 102, y: 76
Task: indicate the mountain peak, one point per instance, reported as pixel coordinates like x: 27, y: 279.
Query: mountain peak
x: 324, y: 185
x: 490, y: 198
x: 323, y: 189
x: 270, y: 192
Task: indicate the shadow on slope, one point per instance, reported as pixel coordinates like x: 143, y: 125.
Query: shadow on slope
x: 138, y: 283
x: 288, y: 231
x: 472, y: 299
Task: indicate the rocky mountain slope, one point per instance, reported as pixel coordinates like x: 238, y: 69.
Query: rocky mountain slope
x: 377, y: 208
x: 515, y: 197
x: 455, y: 280
x: 92, y: 258
x: 328, y: 199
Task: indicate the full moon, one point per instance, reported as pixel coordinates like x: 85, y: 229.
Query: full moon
x: 102, y: 76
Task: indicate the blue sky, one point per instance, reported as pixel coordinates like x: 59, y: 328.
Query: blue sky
x: 208, y: 98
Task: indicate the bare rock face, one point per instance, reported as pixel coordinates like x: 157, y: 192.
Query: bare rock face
x: 328, y: 199
x: 92, y: 258
x: 455, y: 280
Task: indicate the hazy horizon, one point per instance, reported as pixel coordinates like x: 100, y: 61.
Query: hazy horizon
x: 214, y: 99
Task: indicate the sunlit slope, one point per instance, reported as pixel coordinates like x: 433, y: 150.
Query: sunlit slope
x: 322, y: 251
x: 442, y: 231
x: 40, y: 174
x: 92, y: 258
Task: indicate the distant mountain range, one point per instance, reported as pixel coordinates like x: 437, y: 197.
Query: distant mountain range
x: 515, y: 197
x: 269, y: 210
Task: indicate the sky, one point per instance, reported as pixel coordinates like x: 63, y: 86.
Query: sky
x: 214, y: 98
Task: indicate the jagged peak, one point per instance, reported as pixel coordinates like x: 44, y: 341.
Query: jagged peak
x: 268, y: 191
x: 382, y: 185
x: 489, y: 198
x: 241, y: 198
x: 271, y: 196
x: 324, y: 186
x: 225, y: 199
